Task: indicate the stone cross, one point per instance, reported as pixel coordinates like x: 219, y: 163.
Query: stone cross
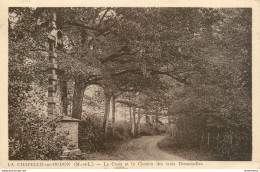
x: 67, y: 124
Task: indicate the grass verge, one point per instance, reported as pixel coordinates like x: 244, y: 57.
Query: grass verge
x: 168, y: 144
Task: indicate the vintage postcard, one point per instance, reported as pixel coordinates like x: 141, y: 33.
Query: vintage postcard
x: 130, y: 84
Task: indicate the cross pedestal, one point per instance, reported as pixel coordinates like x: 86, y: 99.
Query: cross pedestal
x: 69, y: 126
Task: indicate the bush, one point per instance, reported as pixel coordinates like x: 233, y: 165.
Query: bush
x: 121, y: 132
x: 91, y: 135
x: 35, y: 138
x: 32, y: 134
x: 149, y: 130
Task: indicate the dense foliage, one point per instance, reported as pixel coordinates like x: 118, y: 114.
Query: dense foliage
x: 214, y: 114
x: 190, y: 64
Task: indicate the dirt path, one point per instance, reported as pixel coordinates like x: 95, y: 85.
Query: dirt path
x: 145, y: 148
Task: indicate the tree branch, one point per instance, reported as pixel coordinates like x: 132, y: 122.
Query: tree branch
x: 103, y: 16
x: 84, y: 26
x: 133, y: 71
x: 122, y: 52
x: 171, y: 74
x: 38, y: 49
x: 128, y: 103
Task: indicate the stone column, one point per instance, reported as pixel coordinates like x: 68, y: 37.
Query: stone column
x: 55, y: 41
x: 52, y: 77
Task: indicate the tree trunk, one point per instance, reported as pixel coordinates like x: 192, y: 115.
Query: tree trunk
x: 113, y: 106
x: 138, y: 122
x: 64, y: 97
x: 201, y: 143
x: 107, y: 110
x: 130, y: 114
x: 208, y: 139
x: 156, y: 121
x: 78, y: 95
x: 231, y: 141
x: 125, y: 116
x: 133, y: 122
x: 147, y: 119
x: 218, y: 142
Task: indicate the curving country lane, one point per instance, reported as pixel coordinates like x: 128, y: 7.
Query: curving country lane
x: 145, y: 148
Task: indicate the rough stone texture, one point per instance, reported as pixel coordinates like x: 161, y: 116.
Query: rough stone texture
x: 71, y: 154
x: 69, y: 126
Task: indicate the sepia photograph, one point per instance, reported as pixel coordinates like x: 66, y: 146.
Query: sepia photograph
x: 130, y: 83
